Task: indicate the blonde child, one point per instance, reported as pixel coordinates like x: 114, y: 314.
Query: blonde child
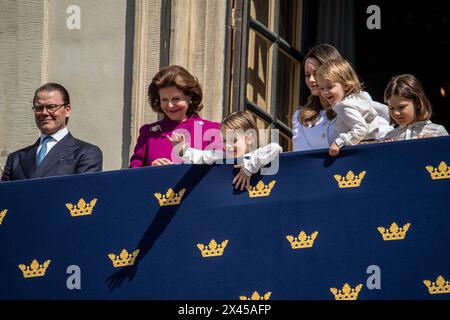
x: 410, y: 110
x: 358, y: 117
x: 240, y: 139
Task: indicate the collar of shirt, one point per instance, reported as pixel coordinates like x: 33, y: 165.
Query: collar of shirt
x: 170, y: 125
x: 57, y: 136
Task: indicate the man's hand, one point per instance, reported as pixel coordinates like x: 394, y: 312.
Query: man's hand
x: 241, y: 180
x: 161, y: 162
x: 334, y: 150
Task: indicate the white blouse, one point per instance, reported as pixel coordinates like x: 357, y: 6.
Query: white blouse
x: 319, y: 136
x: 414, y: 130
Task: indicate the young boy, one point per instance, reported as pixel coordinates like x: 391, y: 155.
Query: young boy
x: 240, y: 139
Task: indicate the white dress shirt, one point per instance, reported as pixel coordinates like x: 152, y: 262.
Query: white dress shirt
x: 57, y: 136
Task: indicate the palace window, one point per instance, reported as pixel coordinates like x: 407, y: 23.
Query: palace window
x: 265, y: 62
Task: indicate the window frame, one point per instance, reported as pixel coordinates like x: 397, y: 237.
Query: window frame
x: 240, y: 26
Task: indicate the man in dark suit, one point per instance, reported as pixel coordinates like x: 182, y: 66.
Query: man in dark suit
x: 56, y: 152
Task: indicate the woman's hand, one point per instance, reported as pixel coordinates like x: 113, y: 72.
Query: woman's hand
x: 161, y: 162
x: 241, y: 180
x: 334, y: 150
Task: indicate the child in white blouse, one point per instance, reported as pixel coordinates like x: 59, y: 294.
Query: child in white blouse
x: 240, y: 139
x: 357, y: 119
x: 410, y: 110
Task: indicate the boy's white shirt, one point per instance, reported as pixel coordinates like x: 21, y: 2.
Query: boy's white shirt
x: 251, y: 162
x: 358, y: 119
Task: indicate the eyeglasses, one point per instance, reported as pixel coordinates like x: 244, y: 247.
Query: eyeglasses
x: 51, y: 108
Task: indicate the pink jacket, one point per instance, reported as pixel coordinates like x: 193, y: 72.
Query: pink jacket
x: 152, y: 142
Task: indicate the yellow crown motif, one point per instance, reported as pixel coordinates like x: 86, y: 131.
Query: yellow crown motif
x: 124, y: 258
x: 394, y: 232
x: 303, y: 240
x: 82, y: 208
x: 438, y: 287
x: 2, y: 215
x: 256, y: 296
x: 213, y: 249
x: 346, y: 293
x: 34, y: 269
x: 261, y: 189
x: 170, y: 198
x: 350, y: 180
x: 441, y: 172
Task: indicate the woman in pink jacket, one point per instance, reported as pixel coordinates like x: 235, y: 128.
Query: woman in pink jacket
x: 177, y: 95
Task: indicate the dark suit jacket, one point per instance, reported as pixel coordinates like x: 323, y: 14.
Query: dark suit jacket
x: 68, y: 156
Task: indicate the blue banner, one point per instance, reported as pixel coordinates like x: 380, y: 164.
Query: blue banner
x: 373, y: 223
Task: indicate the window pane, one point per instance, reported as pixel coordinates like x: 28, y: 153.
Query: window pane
x: 265, y: 136
x: 257, y: 70
x: 285, y: 143
x: 285, y: 88
x: 260, y: 10
x: 288, y: 21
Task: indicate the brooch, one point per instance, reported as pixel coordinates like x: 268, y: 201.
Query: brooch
x: 155, y: 128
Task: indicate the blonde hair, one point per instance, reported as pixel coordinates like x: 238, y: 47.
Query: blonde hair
x: 240, y: 120
x: 311, y: 110
x: 407, y: 86
x: 340, y: 70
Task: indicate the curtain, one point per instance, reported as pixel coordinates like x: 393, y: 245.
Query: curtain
x: 335, y: 26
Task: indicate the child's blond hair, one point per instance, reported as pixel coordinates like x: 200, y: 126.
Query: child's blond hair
x: 241, y: 120
x: 310, y: 111
x: 340, y: 70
